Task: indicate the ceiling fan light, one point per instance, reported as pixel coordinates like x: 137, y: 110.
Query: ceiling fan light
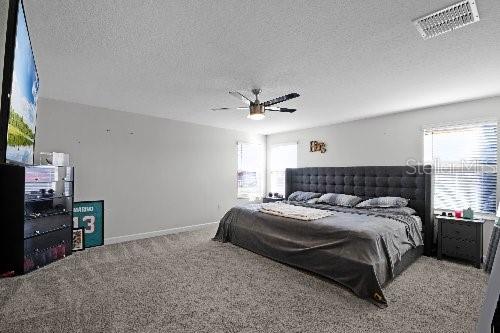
x: 256, y: 116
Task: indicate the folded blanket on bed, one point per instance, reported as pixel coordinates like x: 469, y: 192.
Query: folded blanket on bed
x: 294, y: 212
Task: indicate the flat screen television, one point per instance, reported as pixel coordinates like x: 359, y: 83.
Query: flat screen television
x: 19, y: 90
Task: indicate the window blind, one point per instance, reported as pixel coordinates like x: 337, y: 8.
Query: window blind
x: 282, y: 156
x: 249, y: 175
x: 465, y: 166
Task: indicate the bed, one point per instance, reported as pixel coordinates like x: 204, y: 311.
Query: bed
x: 360, y: 249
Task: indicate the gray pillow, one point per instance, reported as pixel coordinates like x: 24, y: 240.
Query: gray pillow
x: 337, y: 199
x: 394, y: 210
x: 303, y: 196
x: 383, y: 202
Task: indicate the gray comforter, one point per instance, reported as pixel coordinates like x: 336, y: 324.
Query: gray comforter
x: 354, y: 247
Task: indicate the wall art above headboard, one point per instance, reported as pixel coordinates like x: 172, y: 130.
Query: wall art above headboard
x: 315, y: 146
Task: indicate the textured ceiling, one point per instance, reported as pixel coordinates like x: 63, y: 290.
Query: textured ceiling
x: 178, y: 59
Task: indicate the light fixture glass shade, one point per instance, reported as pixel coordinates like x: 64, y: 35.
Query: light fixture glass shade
x: 256, y: 116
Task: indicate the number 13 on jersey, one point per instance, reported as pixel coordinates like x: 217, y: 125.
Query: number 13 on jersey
x: 88, y: 223
x: 90, y: 216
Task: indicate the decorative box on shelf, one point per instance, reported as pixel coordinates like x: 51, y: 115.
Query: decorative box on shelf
x: 460, y: 238
x: 55, y: 159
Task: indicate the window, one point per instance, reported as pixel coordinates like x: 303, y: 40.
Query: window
x: 282, y: 156
x: 250, y: 165
x: 465, y: 163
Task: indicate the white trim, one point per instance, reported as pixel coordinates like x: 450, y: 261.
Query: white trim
x: 126, y: 238
x: 458, y: 123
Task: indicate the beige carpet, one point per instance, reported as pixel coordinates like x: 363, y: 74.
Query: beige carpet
x: 188, y: 283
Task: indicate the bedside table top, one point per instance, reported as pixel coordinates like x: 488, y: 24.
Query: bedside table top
x: 269, y: 199
x: 453, y: 218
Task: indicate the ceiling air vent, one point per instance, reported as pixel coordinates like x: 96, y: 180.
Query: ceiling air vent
x: 447, y: 19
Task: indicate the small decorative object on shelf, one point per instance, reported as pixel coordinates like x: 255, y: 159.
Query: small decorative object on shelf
x: 270, y: 194
x: 468, y: 214
x: 458, y: 213
x: 55, y: 159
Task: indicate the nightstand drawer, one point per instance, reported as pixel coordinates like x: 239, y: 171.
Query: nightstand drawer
x: 459, y: 230
x: 459, y: 248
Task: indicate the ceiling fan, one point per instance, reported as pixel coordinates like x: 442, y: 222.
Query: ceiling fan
x: 257, y: 108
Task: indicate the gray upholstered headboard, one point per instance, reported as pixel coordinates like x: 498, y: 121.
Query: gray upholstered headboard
x: 411, y: 182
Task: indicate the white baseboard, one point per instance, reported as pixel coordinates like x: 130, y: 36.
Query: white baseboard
x: 126, y: 238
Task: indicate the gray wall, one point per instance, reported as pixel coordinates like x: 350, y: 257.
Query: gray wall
x: 167, y: 174
x: 387, y: 140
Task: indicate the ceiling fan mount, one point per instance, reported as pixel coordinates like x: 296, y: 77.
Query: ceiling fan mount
x: 256, y: 108
x: 256, y: 92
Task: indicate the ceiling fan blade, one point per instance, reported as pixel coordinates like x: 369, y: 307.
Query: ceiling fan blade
x: 241, y: 97
x: 280, y: 99
x: 281, y: 110
x: 218, y: 109
x: 238, y: 108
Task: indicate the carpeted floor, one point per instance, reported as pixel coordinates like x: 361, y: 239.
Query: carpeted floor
x: 188, y: 283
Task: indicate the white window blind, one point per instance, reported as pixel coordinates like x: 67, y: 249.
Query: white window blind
x: 465, y: 166
x: 282, y: 156
x: 250, y: 165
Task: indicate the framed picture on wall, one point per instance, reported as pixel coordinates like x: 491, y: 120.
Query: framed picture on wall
x: 90, y: 216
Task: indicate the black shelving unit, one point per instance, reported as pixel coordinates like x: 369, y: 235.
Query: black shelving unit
x: 36, y: 207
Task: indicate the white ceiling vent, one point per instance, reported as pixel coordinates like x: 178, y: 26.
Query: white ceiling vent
x: 447, y: 19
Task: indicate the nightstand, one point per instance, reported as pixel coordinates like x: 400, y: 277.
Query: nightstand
x: 268, y: 199
x: 461, y: 239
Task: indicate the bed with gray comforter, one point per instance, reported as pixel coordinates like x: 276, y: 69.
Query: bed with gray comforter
x: 356, y: 248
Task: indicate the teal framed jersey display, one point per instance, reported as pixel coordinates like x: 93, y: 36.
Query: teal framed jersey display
x: 90, y: 216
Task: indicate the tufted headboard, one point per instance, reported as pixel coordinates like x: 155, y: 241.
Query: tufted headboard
x: 411, y: 182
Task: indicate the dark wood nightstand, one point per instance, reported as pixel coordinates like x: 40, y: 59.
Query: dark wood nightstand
x: 461, y: 239
x: 268, y: 199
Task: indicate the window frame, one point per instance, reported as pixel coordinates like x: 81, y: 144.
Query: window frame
x: 465, y: 165
x: 259, y: 171
x: 271, y: 170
